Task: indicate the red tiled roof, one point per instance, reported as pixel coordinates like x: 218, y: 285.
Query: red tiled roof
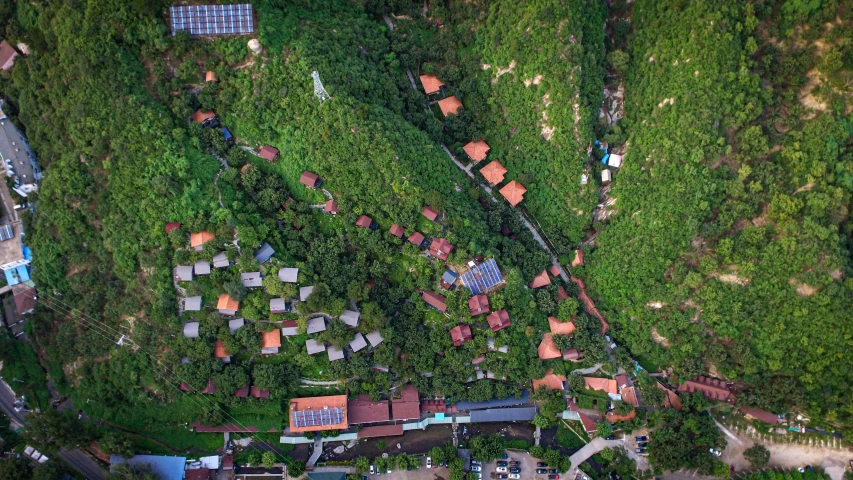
x: 435, y: 300
x: 197, y: 474
x: 607, y: 385
x: 416, y: 238
x: 478, y: 304
x: 612, y: 417
x: 227, y: 303
x: 494, y: 173
x: 268, y: 153
x: 397, y: 231
x: 381, y: 431
x: 588, y: 424
x: 477, y: 150
x: 242, y: 392
x: 7, y: 55
x: 210, y: 76
x: 711, y: 388
x: 572, y: 354
x: 498, y: 320
x: 200, y: 116
x: 513, y: 192
x: 431, y: 84
x: 364, y: 410
x: 200, y: 238
x: 434, y: 406
x: 559, y: 327
x: 550, y: 381
x: 671, y: 400
x: 227, y: 462
x: 460, y: 334
x: 258, y: 393
x: 450, y: 106
x: 172, y: 225
x: 589, y: 306
x: 479, y: 360
x: 762, y: 415
x: 429, y: 213
x: 440, y: 248
x: 331, y: 206
x: 561, y: 294
x: 408, y: 406
x: 210, y: 388
x: 541, y: 280
x: 363, y: 221
x: 629, y: 395
x: 271, y: 339
x: 555, y: 271
x: 548, y: 349
x: 219, y: 350
x: 578, y: 260
x: 25, y: 298
x: 318, y: 404
x: 309, y: 179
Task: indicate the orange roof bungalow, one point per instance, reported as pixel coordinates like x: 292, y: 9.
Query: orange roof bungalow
x: 7, y: 55
x: 762, y: 415
x: 711, y: 388
x: 429, y: 213
x: 671, y: 400
x: 450, y: 106
x: 331, y: 207
x: 313, y: 414
x: 364, y: 221
x: 561, y: 294
x: 397, y: 231
x: 270, y: 342
x: 477, y: 150
x: 478, y: 304
x: 629, y: 395
x: 431, y: 84
x: 460, y: 334
x: 559, y: 327
x: 227, y: 305
x: 210, y: 76
x: 440, y: 248
x: 309, y: 179
x: 198, y: 239
x: 220, y: 352
x: 550, y: 381
x: 417, y: 239
x: 555, y: 271
x: 498, y: 320
x: 513, y: 192
x: 548, y: 349
x: 494, y: 172
x: 206, y: 119
x: 171, y: 226
x: 435, y: 300
x: 268, y: 153
x: 578, y: 260
x: 606, y: 385
x: 573, y: 355
x: 540, y: 280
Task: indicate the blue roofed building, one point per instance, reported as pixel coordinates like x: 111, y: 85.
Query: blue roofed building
x: 167, y: 468
x: 482, y: 277
x: 226, y: 135
x: 264, y: 253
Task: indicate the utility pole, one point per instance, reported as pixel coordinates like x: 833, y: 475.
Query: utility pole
x: 319, y: 91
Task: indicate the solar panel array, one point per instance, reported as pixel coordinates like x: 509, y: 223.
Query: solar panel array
x: 212, y: 19
x: 316, y: 418
x: 482, y: 277
x: 6, y: 232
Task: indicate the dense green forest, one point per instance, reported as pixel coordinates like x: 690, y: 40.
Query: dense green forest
x: 729, y: 252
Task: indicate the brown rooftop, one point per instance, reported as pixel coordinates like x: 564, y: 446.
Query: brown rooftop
x: 416, y: 238
x: 477, y: 150
x: 513, y: 192
x: 494, y: 172
x: 309, y: 179
x: 364, y: 410
x: 429, y: 213
x: 711, y: 388
x: 561, y: 294
x: 541, y: 280
x: 407, y: 407
x: 431, y: 84
x: 219, y: 350
x: 440, y: 248
x: 460, y: 334
x: 607, y: 385
x: 478, y: 304
x: 762, y: 415
x: 629, y: 395
x: 227, y: 303
x: 318, y: 404
x: 7, y: 55
x: 210, y: 76
x: 450, y: 106
x: 331, y: 207
x: 363, y: 221
x: 578, y: 260
x: 548, y: 349
x: 268, y: 153
x: 200, y: 238
x: 200, y: 116
x: 397, y: 231
x: 498, y: 320
x: 435, y: 300
x: 271, y: 339
x: 555, y: 271
x: 572, y: 355
x: 258, y: 393
x: 559, y: 327
x: 549, y: 381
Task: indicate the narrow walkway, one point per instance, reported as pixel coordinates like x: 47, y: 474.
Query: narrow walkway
x: 726, y: 431
x: 318, y: 450
x: 596, y: 445
x: 588, y: 370
x: 306, y: 381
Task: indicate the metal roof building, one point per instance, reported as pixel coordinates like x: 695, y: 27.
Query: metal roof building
x: 167, y: 468
x: 517, y: 414
x: 510, y: 401
x: 212, y: 19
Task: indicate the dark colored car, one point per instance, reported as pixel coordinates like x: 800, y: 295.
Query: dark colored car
x: 553, y: 477
x: 543, y: 464
x: 502, y: 464
x: 513, y: 464
x: 514, y: 470
x: 610, y: 437
x: 641, y: 439
x: 640, y: 450
x: 643, y: 444
x: 553, y: 470
x: 541, y: 471
x: 501, y: 475
x: 504, y: 456
x: 364, y: 477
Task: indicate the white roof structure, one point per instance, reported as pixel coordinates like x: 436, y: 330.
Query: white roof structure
x: 220, y: 260
x: 288, y: 275
x: 192, y: 304
x: 606, y: 176
x: 313, y: 346
x: 304, y: 292
x: 334, y: 353
x: 614, y: 161
x: 358, y: 342
x: 289, y: 329
x: 277, y: 305
x: 191, y: 330
x: 184, y: 273
x: 211, y: 462
x: 375, y: 338
x: 350, y: 317
x: 234, y: 324
x: 251, y: 279
x: 202, y: 267
x: 316, y: 325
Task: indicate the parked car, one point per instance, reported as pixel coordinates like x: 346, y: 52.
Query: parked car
x: 476, y: 462
x: 373, y: 470
x: 541, y: 464
x: 513, y: 464
x: 514, y: 470
x: 643, y: 444
x: 476, y: 468
x: 502, y: 464
x: 641, y: 439
x: 716, y: 452
x: 501, y: 475
x: 641, y: 451
x: 480, y: 475
x: 429, y: 464
x: 514, y: 475
x: 541, y: 471
x: 553, y: 477
x: 501, y: 469
x: 364, y: 477
x: 504, y: 456
x: 553, y: 470
x: 610, y: 437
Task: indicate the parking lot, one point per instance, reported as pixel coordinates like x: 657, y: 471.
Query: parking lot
x: 526, y: 463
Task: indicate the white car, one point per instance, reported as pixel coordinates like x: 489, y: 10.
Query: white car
x: 476, y: 468
x: 514, y: 475
x: 501, y: 469
x: 429, y: 462
x: 372, y: 470
x: 716, y: 452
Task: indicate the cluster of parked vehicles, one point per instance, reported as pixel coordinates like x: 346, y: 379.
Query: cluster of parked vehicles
x: 642, y: 444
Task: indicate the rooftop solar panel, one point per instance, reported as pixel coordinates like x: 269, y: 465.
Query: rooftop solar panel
x: 314, y: 418
x: 212, y: 19
x: 482, y: 277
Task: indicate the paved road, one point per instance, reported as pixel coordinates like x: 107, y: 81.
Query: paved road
x: 596, y: 445
x: 75, y: 458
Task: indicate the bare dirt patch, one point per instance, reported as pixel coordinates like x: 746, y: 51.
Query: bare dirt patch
x: 658, y: 338
x: 504, y: 71
x: 803, y: 289
x: 533, y: 81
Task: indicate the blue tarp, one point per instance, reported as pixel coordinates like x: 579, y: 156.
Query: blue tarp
x: 226, y: 134
x: 495, y: 402
x: 28, y: 255
x: 605, y: 158
x: 23, y: 273
x: 11, y: 278
x: 168, y: 468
